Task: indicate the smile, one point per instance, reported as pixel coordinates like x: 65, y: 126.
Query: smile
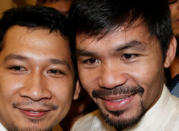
x: 34, y: 113
x: 117, y: 103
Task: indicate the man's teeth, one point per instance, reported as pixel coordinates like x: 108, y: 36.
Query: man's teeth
x: 35, y: 112
x: 119, y: 100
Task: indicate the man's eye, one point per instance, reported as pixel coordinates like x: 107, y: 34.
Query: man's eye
x: 17, y: 68
x: 129, y: 56
x: 55, y: 72
x: 90, y: 61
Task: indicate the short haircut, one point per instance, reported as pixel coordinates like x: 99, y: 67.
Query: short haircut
x: 33, y: 17
x: 98, y: 17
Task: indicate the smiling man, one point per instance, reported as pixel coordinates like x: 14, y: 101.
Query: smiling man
x: 122, y: 48
x: 36, y: 69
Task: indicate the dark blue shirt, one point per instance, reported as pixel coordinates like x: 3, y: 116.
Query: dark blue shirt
x: 175, y: 86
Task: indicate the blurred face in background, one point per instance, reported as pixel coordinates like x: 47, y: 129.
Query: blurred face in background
x: 174, y: 8
x: 61, y: 5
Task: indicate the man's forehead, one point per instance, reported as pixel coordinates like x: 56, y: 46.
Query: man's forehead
x: 123, y: 27
x: 124, y: 32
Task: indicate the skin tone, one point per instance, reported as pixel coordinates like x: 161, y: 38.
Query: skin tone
x: 174, y: 8
x: 61, y: 5
x: 122, y: 82
x: 36, y: 79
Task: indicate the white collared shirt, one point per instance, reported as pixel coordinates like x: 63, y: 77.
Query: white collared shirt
x: 2, y: 128
x: 163, y: 116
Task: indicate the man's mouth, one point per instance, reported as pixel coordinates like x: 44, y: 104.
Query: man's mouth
x: 117, y: 103
x: 118, y: 98
x: 35, y: 114
x: 34, y: 110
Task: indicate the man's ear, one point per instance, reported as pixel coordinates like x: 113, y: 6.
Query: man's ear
x: 77, y: 90
x: 170, y: 55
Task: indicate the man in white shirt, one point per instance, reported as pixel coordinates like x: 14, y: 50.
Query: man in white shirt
x: 36, y: 70
x: 122, y: 48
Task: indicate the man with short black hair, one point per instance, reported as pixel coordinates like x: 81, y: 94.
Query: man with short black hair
x: 36, y: 70
x: 122, y: 48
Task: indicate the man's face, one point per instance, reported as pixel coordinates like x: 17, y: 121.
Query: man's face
x: 174, y: 8
x: 122, y: 72
x: 36, y: 79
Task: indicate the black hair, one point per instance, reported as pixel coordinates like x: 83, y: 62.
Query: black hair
x: 33, y: 17
x: 98, y: 17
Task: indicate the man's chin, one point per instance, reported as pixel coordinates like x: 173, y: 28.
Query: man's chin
x: 15, y: 128
x: 118, y: 120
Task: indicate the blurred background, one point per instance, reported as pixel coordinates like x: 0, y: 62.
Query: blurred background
x: 6, y: 4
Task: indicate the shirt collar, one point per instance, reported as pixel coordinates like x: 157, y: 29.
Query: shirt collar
x: 2, y: 128
x: 156, y: 112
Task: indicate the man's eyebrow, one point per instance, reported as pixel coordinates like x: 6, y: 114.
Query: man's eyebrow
x: 83, y: 52
x: 20, y: 57
x: 136, y: 45
x: 14, y: 56
x: 60, y: 62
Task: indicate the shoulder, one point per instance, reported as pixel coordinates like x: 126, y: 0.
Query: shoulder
x: 173, y: 112
x: 2, y: 128
x: 174, y: 96
x: 174, y: 85
x: 86, y: 121
x: 175, y: 90
x: 91, y: 122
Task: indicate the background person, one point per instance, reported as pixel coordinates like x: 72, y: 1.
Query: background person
x: 61, y: 5
x: 174, y: 72
x: 122, y: 48
x: 174, y: 68
x: 36, y: 70
x: 174, y: 9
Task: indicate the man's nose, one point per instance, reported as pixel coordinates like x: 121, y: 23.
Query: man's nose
x: 35, y: 87
x: 111, y: 77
